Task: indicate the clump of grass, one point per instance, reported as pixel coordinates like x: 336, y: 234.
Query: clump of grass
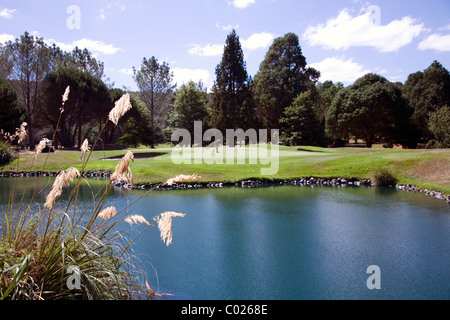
x: 39, y: 251
x: 384, y: 178
x: 6, y: 153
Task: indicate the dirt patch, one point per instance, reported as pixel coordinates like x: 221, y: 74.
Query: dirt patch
x: 142, y: 155
x: 432, y: 170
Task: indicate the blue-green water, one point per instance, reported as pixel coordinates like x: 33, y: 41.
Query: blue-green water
x: 293, y: 243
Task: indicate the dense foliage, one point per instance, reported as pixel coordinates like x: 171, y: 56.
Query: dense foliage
x: 285, y: 94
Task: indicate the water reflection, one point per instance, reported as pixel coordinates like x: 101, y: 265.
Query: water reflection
x: 291, y: 242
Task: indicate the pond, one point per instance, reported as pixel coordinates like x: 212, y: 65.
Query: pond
x: 289, y: 242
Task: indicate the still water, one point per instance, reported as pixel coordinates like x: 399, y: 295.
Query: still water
x: 289, y: 242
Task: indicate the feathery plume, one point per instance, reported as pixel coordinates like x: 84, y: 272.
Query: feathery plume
x: 65, y: 97
x: 136, y: 219
x: 108, y: 213
x: 165, y: 225
x: 120, y: 108
x: 181, y: 178
x: 123, y: 171
x: 61, y: 181
x: 21, y: 132
x: 84, y: 148
x: 41, y: 146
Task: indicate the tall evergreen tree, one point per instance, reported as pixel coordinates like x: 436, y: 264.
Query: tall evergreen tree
x: 232, y: 104
x: 282, y: 76
x: 154, y: 81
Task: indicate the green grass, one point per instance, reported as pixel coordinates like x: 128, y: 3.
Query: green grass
x: 426, y: 168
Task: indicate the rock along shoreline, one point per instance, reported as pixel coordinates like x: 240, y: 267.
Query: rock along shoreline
x: 246, y: 183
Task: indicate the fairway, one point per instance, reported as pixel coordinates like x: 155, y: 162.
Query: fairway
x: 425, y: 168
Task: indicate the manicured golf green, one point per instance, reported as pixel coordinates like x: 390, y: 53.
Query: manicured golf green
x: 425, y: 168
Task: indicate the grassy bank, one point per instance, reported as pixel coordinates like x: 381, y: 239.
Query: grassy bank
x: 425, y: 168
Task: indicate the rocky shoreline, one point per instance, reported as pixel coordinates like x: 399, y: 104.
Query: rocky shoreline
x: 247, y: 183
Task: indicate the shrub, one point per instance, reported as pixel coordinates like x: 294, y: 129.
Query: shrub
x: 6, y: 153
x: 77, y: 254
x: 439, y: 125
x: 384, y: 178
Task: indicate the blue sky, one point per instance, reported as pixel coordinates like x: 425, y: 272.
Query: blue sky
x: 342, y: 39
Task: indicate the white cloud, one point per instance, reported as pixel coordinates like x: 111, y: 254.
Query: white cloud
x: 7, y: 13
x: 437, y: 42
x: 241, y: 4
x: 447, y: 27
x: 126, y: 71
x: 210, y: 50
x: 346, y: 31
x: 255, y: 41
x: 4, y: 37
x: 258, y: 41
x: 102, y: 15
x: 94, y: 46
x: 111, y: 9
x: 227, y: 27
x: 339, y: 70
x: 181, y: 76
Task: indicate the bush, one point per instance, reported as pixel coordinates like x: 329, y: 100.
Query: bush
x: 385, y: 179
x: 48, y: 254
x: 6, y: 153
x: 439, y: 125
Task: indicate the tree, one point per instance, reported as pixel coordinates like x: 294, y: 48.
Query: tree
x: 282, y: 76
x: 427, y: 92
x: 325, y: 94
x: 231, y: 104
x: 154, y: 81
x: 31, y: 61
x: 137, y: 128
x: 5, y: 62
x: 10, y: 109
x: 439, y: 125
x: 299, y: 124
x: 81, y: 60
x: 190, y: 105
x: 333, y: 117
x: 88, y: 98
x: 372, y: 108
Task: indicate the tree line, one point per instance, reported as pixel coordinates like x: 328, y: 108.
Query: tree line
x: 284, y: 94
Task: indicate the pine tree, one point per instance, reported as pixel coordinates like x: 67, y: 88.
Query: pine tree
x: 154, y: 80
x: 282, y: 76
x: 231, y: 105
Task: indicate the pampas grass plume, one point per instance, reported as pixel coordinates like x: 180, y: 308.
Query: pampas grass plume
x: 136, y: 219
x: 165, y: 225
x: 182, y: 177
x: 84, y: 148
x: 61, y: 181
x: 120, y: 108
x: 21, y: 132
x: 123, y: 171
x: 108, y: 213
x: 41, y: 146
